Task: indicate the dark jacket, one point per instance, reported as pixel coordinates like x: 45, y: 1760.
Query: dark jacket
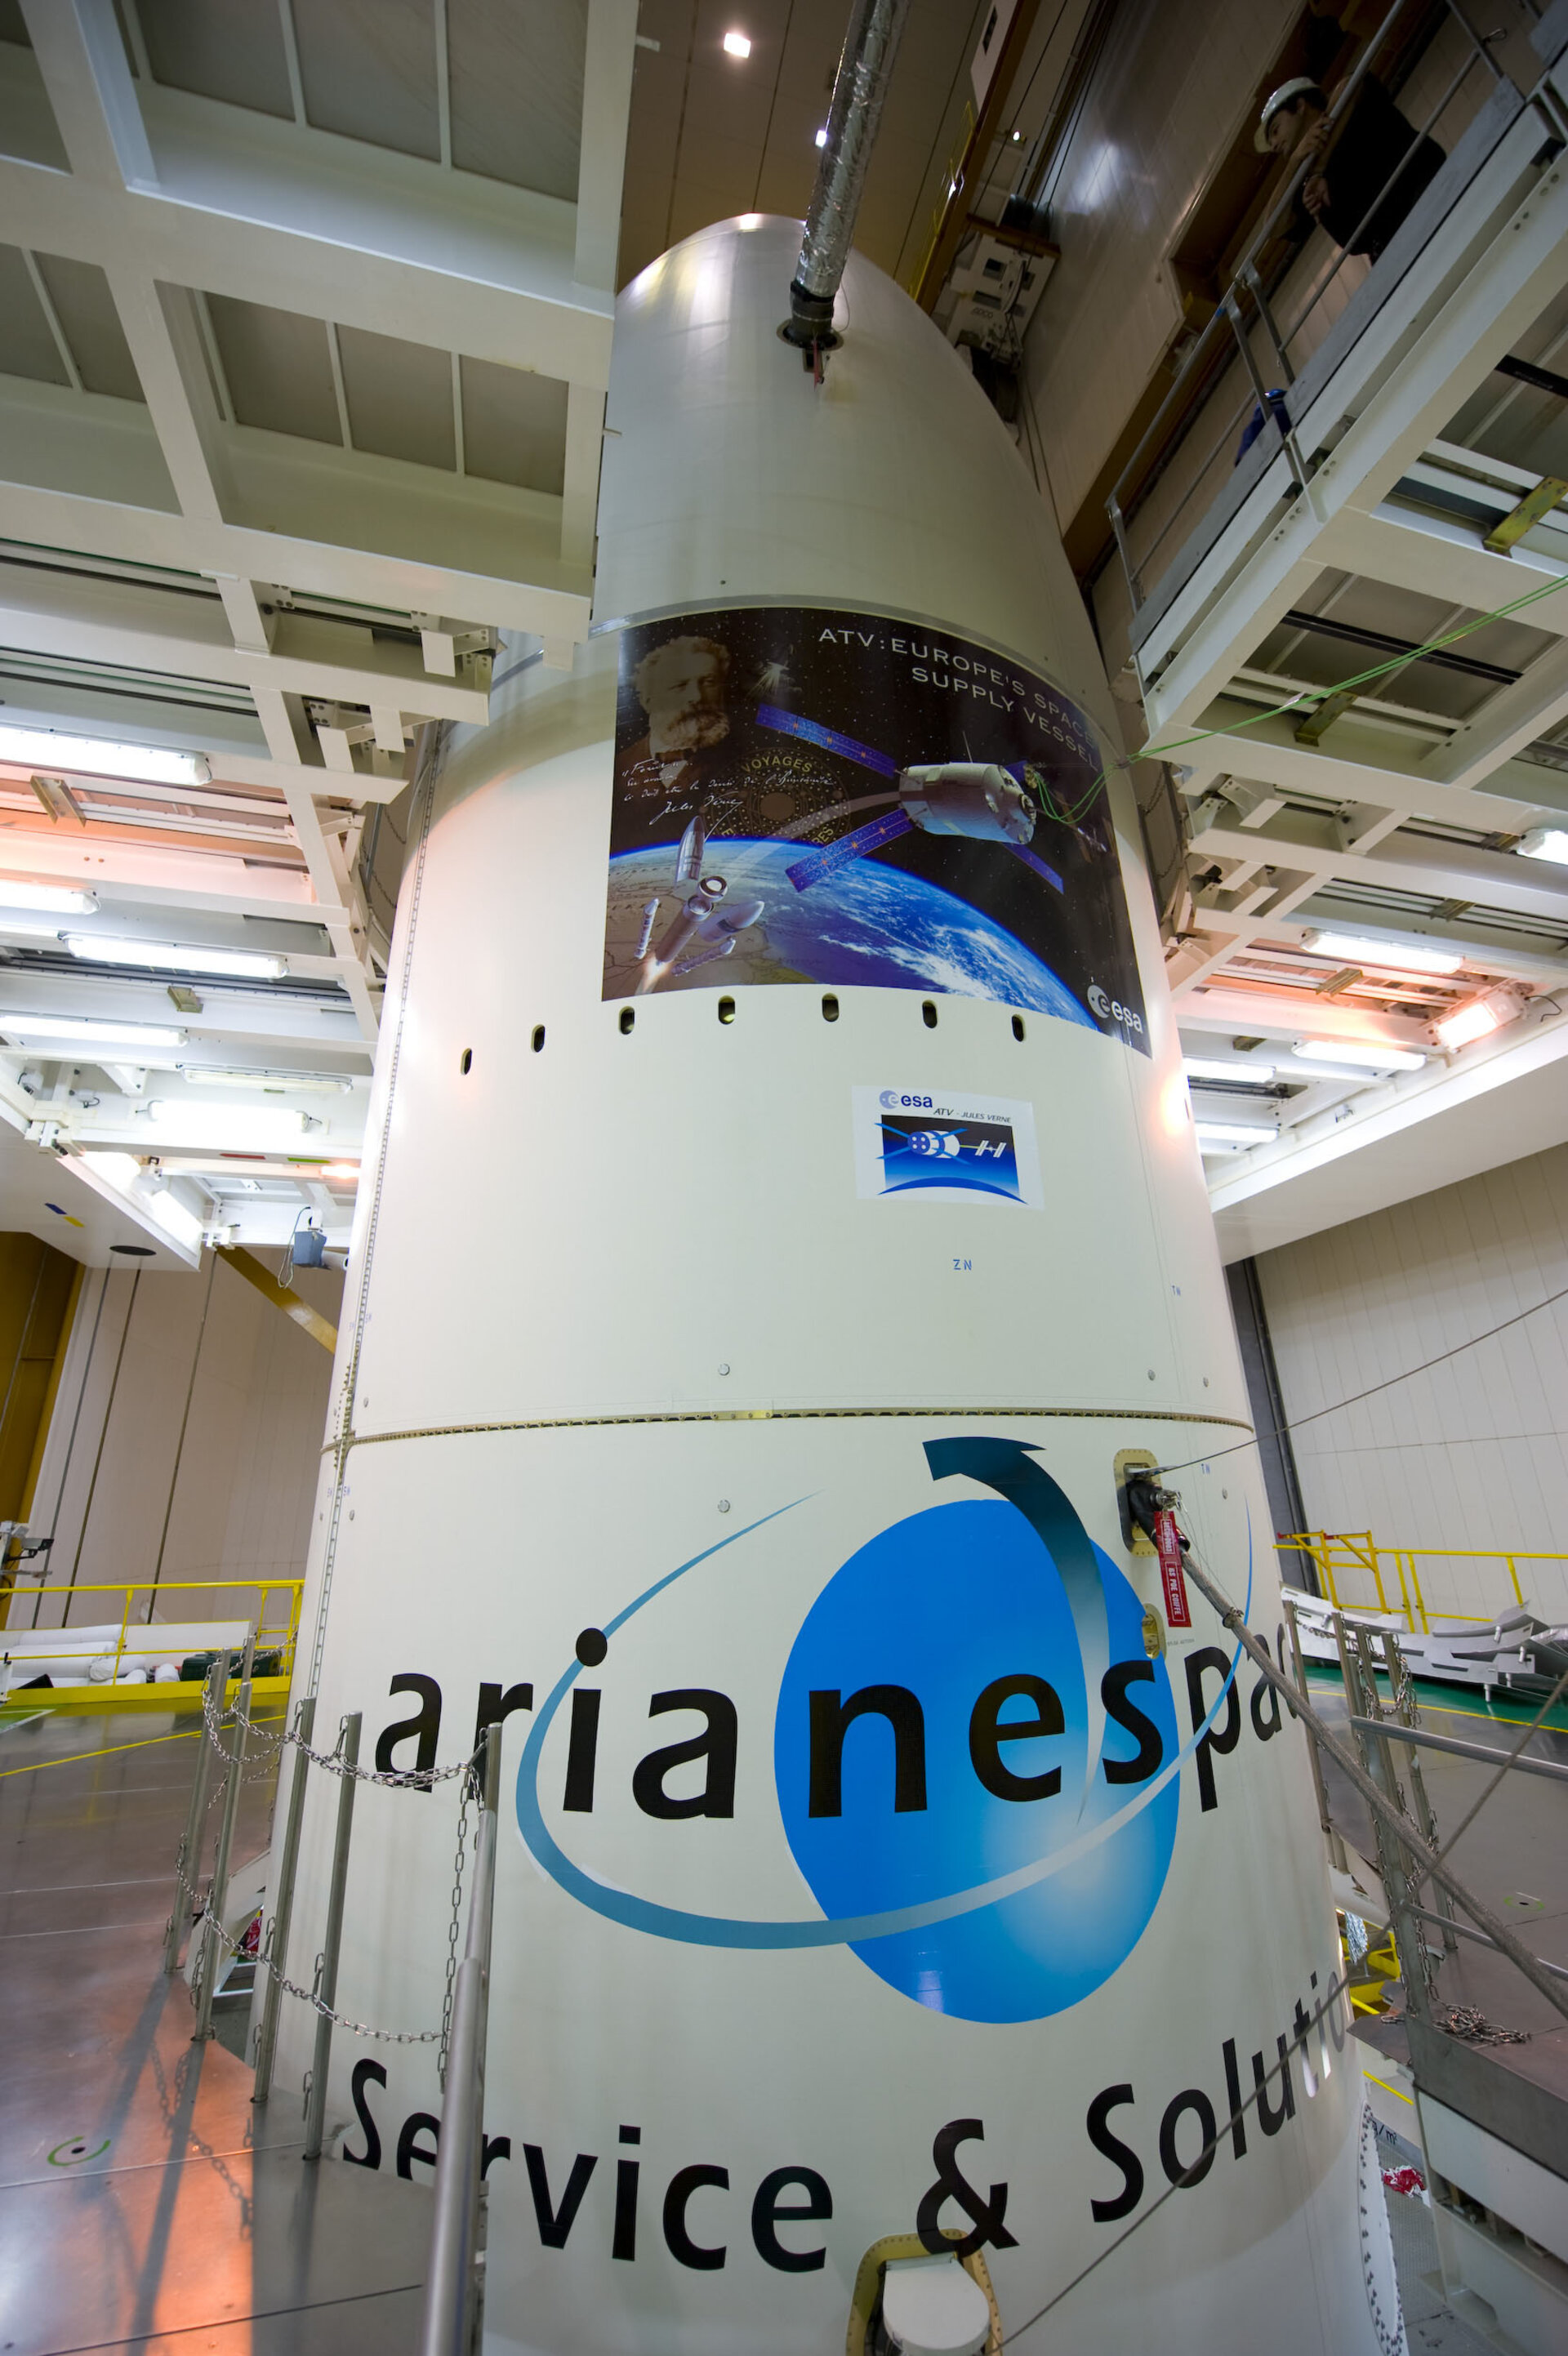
x: 1373, y: 143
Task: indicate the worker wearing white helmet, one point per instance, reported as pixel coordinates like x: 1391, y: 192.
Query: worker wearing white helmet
x: 1370, y: 166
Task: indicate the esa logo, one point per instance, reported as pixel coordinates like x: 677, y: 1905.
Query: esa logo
x: 1111, y: 1010
x: 891, y: 1101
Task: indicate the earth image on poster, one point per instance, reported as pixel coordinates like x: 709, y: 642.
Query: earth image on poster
x: 866, y: 927
x: 804, y: 795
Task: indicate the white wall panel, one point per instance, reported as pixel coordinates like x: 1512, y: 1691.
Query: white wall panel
x: 237, y: 1492
x: 1472, y: 1451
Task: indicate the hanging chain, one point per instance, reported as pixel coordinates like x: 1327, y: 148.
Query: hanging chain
x: 207, y: 1920
x: 459, y: 1862
x: 413, y: 1779
x: 203, y: 1919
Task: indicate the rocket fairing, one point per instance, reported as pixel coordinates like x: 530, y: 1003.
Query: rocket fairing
x: 863, y: 1863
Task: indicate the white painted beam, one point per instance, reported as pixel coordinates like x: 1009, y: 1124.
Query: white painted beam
x: 546, y: 598
x: 580, y: 484
x: 1511, y: 269
x: 610, y: 50
x: 1237, y: 1012
x: 134, y: 628
x: 1439, y: 555
x: 251, y: 626
x: 1507, y: 722
x: 268, y: 212
x: 78, y: 49
x: 1361, y: 760
x: 1495, y: 880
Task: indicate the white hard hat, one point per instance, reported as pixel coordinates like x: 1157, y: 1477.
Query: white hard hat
x: 1286, y: 95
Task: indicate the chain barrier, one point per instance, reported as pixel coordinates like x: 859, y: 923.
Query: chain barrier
x: 458, y: 1863
x: 416, y: 1779
x: 413, y: 1779
x: 207, y: 1919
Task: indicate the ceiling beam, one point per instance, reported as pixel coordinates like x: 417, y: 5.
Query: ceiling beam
x: 1361, y: 760
x: 1229, y: 1007
x: 1435, y: 556
x: 555, y: 602
x: 1507, y: 722
x: 265, y: 212
x: 1448, y: 871
x: 1481, y: 289
x: 137, y: 628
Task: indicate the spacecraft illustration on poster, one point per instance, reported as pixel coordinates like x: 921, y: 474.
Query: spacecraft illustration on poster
x: 808, y: 795
x: 945, y: 1149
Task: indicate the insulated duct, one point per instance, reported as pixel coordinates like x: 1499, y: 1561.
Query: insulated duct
x: 865, y: 67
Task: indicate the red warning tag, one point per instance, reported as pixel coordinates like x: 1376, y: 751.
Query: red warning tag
x: 1166, y: 1536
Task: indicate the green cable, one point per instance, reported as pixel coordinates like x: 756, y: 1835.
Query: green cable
x: 1310, y: 696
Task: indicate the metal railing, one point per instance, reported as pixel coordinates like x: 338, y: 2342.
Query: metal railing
x: 277, y: 1634
x: 1345, y: 1559
x: 453, y: 2288
x: 1410, y: 1853
x: 1277, y: 307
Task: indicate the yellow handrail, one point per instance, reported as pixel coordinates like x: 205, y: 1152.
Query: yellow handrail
x: 265, y: 1589
x: 1337, y: 1553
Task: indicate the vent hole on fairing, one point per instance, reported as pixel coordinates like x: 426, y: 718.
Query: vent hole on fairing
x: 829, y: 1008
x: 466, y: 1062
x: 628, y: 1018
x: 726, y: 1010
x: 1017, y: 1026
x: 929, y: 1015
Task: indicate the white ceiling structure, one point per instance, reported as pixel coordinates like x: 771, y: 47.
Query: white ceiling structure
x: 304, y: 332
x: 1377, y: 870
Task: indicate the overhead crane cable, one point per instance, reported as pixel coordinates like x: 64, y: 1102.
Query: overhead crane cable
x: 1295, y: 1423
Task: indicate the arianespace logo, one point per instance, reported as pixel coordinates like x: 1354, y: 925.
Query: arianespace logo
x: 973, y: 1762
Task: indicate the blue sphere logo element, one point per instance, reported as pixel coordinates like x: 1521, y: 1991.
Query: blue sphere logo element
x: 944, y: 1605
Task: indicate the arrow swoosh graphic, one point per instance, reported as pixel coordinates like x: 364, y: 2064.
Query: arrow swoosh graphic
x: 1008, y: 1466
x: 846, y: 1930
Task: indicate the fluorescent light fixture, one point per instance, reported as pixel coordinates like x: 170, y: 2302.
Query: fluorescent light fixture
x: 29, y: 928
x: 1478, y: 1017
x: 49, y: 899
x: 236, y: 1126
x: 822, y: 138
x: 736, y: 44
x: 319, y: 1084
x: 119, y: 1170
x: 67, y: 1031
x: 1197, y: 1068
x: 1540, y: 842
x: 1362, y: 1054
x: 171, y: 1214
x: 345, y: 1173
x: 1401, y: 956
x: 165, y: 957
x: 97, y: 757
x: 1229, y: 1132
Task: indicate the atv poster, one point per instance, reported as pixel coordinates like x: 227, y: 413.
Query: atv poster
x: 806, y: 794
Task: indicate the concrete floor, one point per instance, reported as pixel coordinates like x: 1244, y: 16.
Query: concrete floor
x: 144, y: 2204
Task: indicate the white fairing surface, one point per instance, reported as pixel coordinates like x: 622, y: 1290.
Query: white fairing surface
x: 860, y: 1871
